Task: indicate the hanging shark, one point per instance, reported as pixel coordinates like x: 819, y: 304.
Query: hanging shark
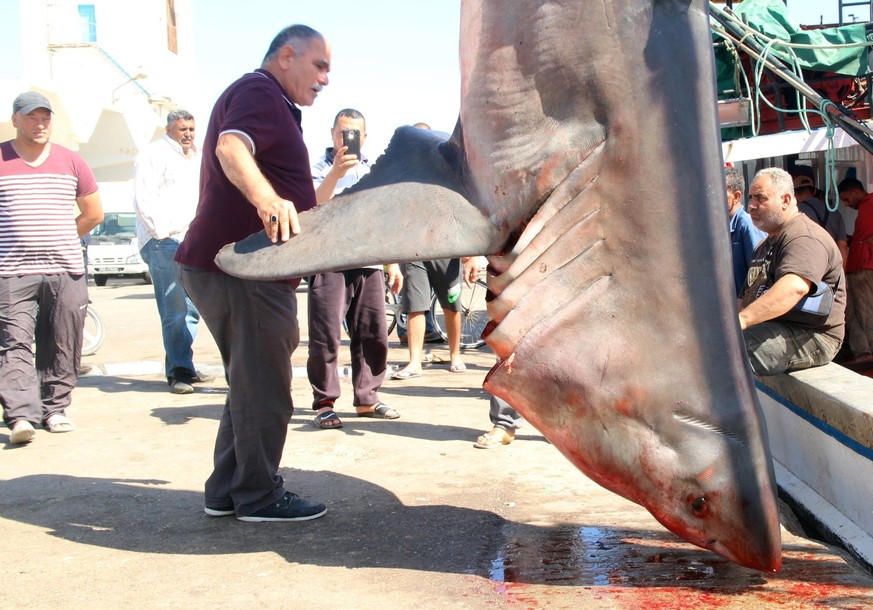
x: 586, y: 165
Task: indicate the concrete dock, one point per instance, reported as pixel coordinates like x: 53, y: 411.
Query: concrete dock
x: 112, y: 515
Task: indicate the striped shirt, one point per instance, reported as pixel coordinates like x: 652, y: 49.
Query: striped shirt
x: 38, y: 212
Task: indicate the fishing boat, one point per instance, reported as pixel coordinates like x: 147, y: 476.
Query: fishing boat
x: 795, y: 96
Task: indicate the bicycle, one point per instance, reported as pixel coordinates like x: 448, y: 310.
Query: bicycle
x: 474, y: 314
x: 392, y: 309
x: 93, y: 332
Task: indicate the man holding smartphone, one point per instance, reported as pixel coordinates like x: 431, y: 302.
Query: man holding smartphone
x: 356, y: 295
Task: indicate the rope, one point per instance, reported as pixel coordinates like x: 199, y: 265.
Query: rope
x: 830, y: 157
x: 803, y: 110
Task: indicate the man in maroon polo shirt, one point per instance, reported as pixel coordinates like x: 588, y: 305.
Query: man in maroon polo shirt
x: 255, y: 175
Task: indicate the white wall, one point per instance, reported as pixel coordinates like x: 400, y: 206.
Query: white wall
x: 110, y: 116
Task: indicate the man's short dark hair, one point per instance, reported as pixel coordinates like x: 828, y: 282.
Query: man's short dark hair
x: 802, y: 170
x: 178, y: 115
x: 349, y: 113
x: 850, y: 184
x: 734, y: 181
x: 297, y: 36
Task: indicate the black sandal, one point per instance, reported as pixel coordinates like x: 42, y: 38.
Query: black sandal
x: 325, y: 421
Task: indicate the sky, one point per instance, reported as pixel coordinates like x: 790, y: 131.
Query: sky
x: 394, y: 60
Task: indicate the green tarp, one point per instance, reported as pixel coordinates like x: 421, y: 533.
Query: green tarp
x: 771, y: 18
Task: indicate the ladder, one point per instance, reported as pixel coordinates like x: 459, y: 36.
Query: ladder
x: 857, y: 16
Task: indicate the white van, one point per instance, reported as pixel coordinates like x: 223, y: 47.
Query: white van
x: 113, y: 250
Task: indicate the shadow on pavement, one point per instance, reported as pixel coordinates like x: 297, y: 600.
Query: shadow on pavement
x: 368, y: 527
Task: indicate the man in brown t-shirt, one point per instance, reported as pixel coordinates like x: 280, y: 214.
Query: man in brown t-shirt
x: 787, y: 266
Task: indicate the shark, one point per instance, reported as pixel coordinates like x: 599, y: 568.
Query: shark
x: 586, y: 165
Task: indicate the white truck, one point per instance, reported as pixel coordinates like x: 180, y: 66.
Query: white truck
x: 113, y: 250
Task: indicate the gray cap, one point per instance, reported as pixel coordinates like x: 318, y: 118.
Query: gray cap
x: 29, y: 101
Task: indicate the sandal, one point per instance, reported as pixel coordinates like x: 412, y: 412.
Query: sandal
x: 460, y: 367
x: 496, y: 438
x: 403, y: 375
x: 327, y: 420
x: 59, y: 423
x: 380, y: 411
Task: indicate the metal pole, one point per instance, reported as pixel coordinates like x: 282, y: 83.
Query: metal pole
x: 856, y: 130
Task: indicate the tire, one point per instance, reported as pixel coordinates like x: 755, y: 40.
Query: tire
x: 392, y: 310
x: 94, y: 333
x: 100, y: 280
x: 147, y: 277
x: 401, y: 317
x: 474, y: 315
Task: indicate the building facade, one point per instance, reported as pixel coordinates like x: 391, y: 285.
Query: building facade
x: 113, y: 69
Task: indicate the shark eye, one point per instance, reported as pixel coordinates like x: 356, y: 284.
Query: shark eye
x: 699, y: 507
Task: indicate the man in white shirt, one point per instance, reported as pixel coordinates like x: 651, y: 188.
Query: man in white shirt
x: 166, y: 191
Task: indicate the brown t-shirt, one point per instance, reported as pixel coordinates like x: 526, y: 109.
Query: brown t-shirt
x: 803, y: 248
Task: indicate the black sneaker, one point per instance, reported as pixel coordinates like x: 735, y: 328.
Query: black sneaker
x: 289, y: 507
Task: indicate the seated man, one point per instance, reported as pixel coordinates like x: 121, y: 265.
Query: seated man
x: 787, y: 266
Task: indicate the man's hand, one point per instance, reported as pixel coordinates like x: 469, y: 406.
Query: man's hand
x: 341, y: 165
x: 471, y: 270
x: 395, y: 278
x: 342, y: 162
x: 280, y: 219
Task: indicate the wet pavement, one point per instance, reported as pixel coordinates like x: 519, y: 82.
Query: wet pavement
x: 111, y: 515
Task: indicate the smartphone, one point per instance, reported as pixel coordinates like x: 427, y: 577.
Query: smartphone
x: 352, y: 142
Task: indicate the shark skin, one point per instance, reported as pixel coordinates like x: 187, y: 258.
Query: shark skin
x: 586, y: 164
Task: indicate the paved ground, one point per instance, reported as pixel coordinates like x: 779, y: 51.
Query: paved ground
x: 111, y: 515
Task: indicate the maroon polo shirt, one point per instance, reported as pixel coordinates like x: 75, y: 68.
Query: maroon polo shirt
x: 256, y: 107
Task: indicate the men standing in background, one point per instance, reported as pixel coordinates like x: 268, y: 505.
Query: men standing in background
x: 166, y: 189
x: 444, y: 277
x: 859, y: 275
x: 745, y: 236
x: 42, y: 273
x: 355, y: 295
x: 817, y: 210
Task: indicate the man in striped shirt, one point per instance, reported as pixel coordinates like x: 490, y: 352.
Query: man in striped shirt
x: 43, y: 294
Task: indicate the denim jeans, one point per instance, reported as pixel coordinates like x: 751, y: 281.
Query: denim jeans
x: 179, y: 316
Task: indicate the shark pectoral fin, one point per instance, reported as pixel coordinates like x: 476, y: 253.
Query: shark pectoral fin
x: 411, y: 206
